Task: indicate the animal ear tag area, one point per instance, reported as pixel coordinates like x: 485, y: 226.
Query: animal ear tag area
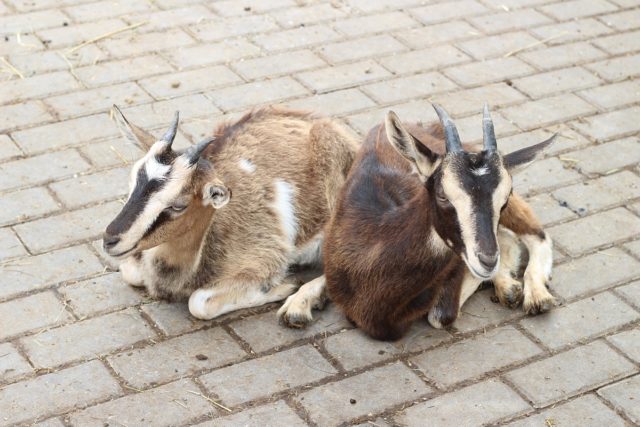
x: 216, y: 195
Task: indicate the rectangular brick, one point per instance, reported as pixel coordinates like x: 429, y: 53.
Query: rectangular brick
x: 213, y: 30
x: 619, y: 43
x: 622, y: 21
x: 37, y: 86
x: 470, y: 127
x: 329, y: 404
x: 54, y: 60
x: 14, y: 44
x: 480, y: 313
x: 357, y: 26
x: 447, y: 11
x: 12, y: 364
x: 567, y: 79
x: 423, y: 60
x: 580, y: 320
x: 121, y: 71
x: 76, y: 34
x: 604, y: 158
x: 296, y: 38
x: 562, y: 55
x: 610, y: 125
x: 158, y: 114
x: 585, y: 410
x: 303, y: 15
x: 8, y: 149
x: 544, y: 174
x: 213, y: 53
x: 86, y: 340
x: 549, y: 210
x: 509, y: 20
x: 235, y: 8
x: 548, y: 110
x: 628, y: 342
x: 414, y: 86
x: 30, y: 22
x: 44, y: 270
x: 613, y: 225
x: 379, y: 5
x: 28, y: 5
x: 437, y: 34
x: 10, y: 245
x: 631, y: 293
x: 566, y: 140
x: 354, y: 49
x: 174, y: 84
x: 262, y: 377
x: 343, y: 76
x: 47, y: 233
x: 471, y: 100
x: 85, y: 189
x: 253, y: 94
x: 489, y: 71
x: 105, y: 9
x: 98, y: 100
x: 22, y: 205
x: 490, y: 47
x: 570, y: 373
x: 624, y: 396
x: 278, y: 64
x: 579, y: 29
x: 271, y: 414
x: 139, y: 44
x: 617, y: 68
x: 75, y: 131
x: 57, y: 392
x: 164, y: 19
x: 174, y: 318
x: 176, y: 357
x: 334, y: 103
x: 479, y: 404
x: 23, y: 114
x: 613, y: 95
x: 99, y: 295
x: 113, y: 152
x: 31, y: 313
x: 577, y: 9
x: 40, y: 169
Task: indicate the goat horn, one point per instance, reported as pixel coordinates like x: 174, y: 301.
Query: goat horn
x: 173, y: 129
x: 193, y: 153
x: 488, y: 133
x: 451, y: 137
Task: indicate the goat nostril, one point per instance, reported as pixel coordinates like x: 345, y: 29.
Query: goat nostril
x: 109, y: 241
x: 488, y: 261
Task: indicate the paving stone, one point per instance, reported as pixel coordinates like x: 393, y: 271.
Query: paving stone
x: 32, y: 63
x: 619, y: 43
x: 570, y: 373
x: 85, y: 189
x: 617, y: 69
x: 159, y: 114
x: 334, y: 103
x: 423, y: 60
x: 214, y: 30
x: 567, y: 79
x: 412, y: 111
x: 46, y: 233
x: 165, y: 19
x: 122, y: 70
x: 577, y: 236
x: 343, y: 76
x: 628, y: 342
x: 43, y: 270
x: 330, y: 404
x: 139, y: 44
x: 437, y: 34
x: 57, y: 392
x: 549, y: 210
x: 354, y: 349
x: 36, y: 311
x: 622, y: 21
x: 283, y: 63
x: 272, y: 414
x: 86, y: 339
x: 634, y: 248
x: 607, y: 126
x: 413, y: 86
x: 29, y: 22
x: 23, y: 114
x: 474, y: 357
x: 631, y: 292
x: 303, y: 15
x: 261, y: 92
x: 175, y: 84
x: 488, y: 71
x: 234, y: 8
x: 577, y: 9
x: 624, y: 396
x: 499, y: 45
x: 101, y: 294
x: 104, y: 9
x: 448, y: 10
x: 360, y: 25
x: 173, y: 318
x: 8, y: 149
x: 262, y: 377
x: 37, y: 86
x: 585, y: 411
x: 76, y: 34
x: 471, y: 100
x: 167, y: 405
x: 509, y: 20
x: 378, y: 5
x: 351, y: 50
x: 261, y: 334
x: 578, y: 29
x: 21, y: 205
x: 176, y: 357
x: 547, y: 111
x: 10, y: 245
x: 98, y: 100
x: 544, y: 174
x: 479, y: 312
x: 64, y: 133
x: 580, y: 320
x: 213, y: 53
x: 605, y: 269
x: 51, y: 422
x: 605, y: 158
x: 12, y: 46
x: 296, y: 38
x: 613, y: 95
x: 470, y: 128
x: 113, y: 152
x: 479, y: 404
x: 562, y: 55
x: 599, y: 193
x: 12, y: 364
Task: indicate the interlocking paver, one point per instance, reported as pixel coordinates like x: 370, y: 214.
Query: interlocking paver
x: 234, y: 8
x: 23, y: 114
x: 138, y: 44
x: 628, y: 342
x: 37, y: 86
x: 10, y: 245
x: 12, y: 364
x: 607, y: 126
x: 85, y: 189
x: 437, y: 34
x: 271, y: 414
x: 122, y: 70
x: 567, y: 79
x: 509, y: 20
x: 298, y: 37
x: 617, y: 68
x: 467, y: 101
x: 336, y: 102
x: 504, y: 44
x: 624, y: 395
x: 343, y: 76
x: 284, y: 63
x: 261, y: 92
x: 217, y: 30
x: 424, y: 60
x: 76, y: 34
x: 195, y: 81
x: 613, y: 95
x: 369, y: 24
x: 562, y: 55
x: 22, y: 205
x: 573, y: 30
x: 33, y: 312
x: 626, y: 20
x: 620, y: 43
x: 367, y: 47
x: 488, y: 71
x: 8, y: 149
x: 212, y: 53
x: 548, y: 110
x: 444, y: 11
x: 631, y: 292
x: 413, y: 86
x: 578, y: 8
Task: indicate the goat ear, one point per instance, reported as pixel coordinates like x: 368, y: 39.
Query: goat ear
x: 520, y: 159
x: 133, y: 133
x: 217, y: 195
x: 408, y: 146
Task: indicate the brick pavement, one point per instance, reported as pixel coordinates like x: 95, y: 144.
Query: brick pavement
x: 78, y: 347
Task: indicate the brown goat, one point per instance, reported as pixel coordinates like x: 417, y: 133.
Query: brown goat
x: 417, y: 237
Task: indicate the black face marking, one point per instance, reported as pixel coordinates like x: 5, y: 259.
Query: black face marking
x: 161, y: 219
x: 136, y: 203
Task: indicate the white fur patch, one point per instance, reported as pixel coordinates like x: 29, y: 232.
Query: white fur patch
x: 283, y: 206
x: 247, y: 166
x: 155, y: 169
x: 480, y: 171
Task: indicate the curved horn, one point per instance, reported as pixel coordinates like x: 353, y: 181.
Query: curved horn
x: 451, y: 137
x: 488, y: 133
x: 170, y: 135
x: 193, y: 153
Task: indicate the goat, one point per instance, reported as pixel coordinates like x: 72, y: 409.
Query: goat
x: 181, y: 233
x: 419, y: 226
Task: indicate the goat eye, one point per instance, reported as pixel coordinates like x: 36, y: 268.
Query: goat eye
x: 177, y: 208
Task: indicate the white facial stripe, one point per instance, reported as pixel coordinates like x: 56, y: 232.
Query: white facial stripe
x: 480, y: 171
x: 155, y: 169
x: 247, y: 166
x: 283, y: 206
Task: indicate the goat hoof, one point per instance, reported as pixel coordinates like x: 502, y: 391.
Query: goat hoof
x: 296, y: 312
x: 533, y: 306
x: 513, y: 296
x: 295, y: 321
